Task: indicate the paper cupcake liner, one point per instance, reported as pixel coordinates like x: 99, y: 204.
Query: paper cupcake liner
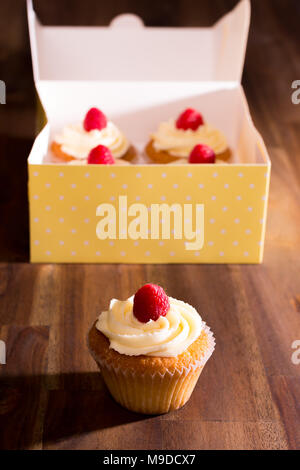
x: 154, y: 393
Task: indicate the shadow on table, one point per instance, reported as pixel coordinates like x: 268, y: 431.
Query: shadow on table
x: 50, y: 408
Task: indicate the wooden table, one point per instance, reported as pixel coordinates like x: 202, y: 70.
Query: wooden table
x: 51, y: 394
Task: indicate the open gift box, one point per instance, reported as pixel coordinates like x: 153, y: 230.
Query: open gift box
x: 146, y: 213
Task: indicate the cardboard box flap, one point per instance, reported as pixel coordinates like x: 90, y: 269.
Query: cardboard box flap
x: 127, y: 50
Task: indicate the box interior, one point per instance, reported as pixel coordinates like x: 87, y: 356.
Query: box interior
x: 144, y: 76
x: 138, y: 107
x: 126, y: 50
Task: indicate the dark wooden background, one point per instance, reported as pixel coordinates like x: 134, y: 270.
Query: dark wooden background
x: 51, y: 395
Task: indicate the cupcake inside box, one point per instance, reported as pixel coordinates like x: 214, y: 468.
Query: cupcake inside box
x: 138, y: 108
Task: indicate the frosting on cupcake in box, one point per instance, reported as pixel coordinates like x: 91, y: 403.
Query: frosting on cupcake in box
x: 77, y: 162
x: 184, y: 161
x: 179, y: 142
x: 168, y: 336
x: 77, y: 142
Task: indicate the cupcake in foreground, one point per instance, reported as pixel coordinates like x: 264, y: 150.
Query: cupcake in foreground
x: 150, y: 349
x: 176, y: 139
x: 77, y: 140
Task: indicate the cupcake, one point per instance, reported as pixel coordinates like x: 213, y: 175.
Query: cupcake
x: 150, y: 349
x: 99, y: 155
x: 76, y: 140
x: 176, y: 139
x: 200, y: 154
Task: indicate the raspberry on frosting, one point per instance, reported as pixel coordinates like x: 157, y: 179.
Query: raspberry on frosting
x: 189, y: 119
x: 202, y: 154
x: 150, y: 303
x: 100, y: 155
x: 94, y: 119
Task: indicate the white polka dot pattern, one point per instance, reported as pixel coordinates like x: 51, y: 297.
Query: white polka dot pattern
x: 63, y: 212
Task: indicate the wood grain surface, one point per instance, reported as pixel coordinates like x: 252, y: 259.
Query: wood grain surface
x: 248, y: 396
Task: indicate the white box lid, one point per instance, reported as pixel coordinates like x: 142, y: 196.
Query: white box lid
x: 128, y: 51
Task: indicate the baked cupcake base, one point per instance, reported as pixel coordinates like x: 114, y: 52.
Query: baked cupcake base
x: 56, y: 149
x: 151, y: 385
x: 162, y: 156
x: 130, y: 155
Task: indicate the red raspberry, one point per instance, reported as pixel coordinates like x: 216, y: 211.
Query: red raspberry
x: 202, y: 154
x: 189, y: 119
x: 150, y: 302
x: 94, y: 119
x: 100, y: 155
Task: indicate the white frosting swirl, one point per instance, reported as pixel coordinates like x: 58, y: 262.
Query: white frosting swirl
x: 168, y: 336
x: 77, y: 142
x: 180, y: 142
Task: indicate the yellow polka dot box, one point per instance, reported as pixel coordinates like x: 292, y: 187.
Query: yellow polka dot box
x: 199, y: 195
